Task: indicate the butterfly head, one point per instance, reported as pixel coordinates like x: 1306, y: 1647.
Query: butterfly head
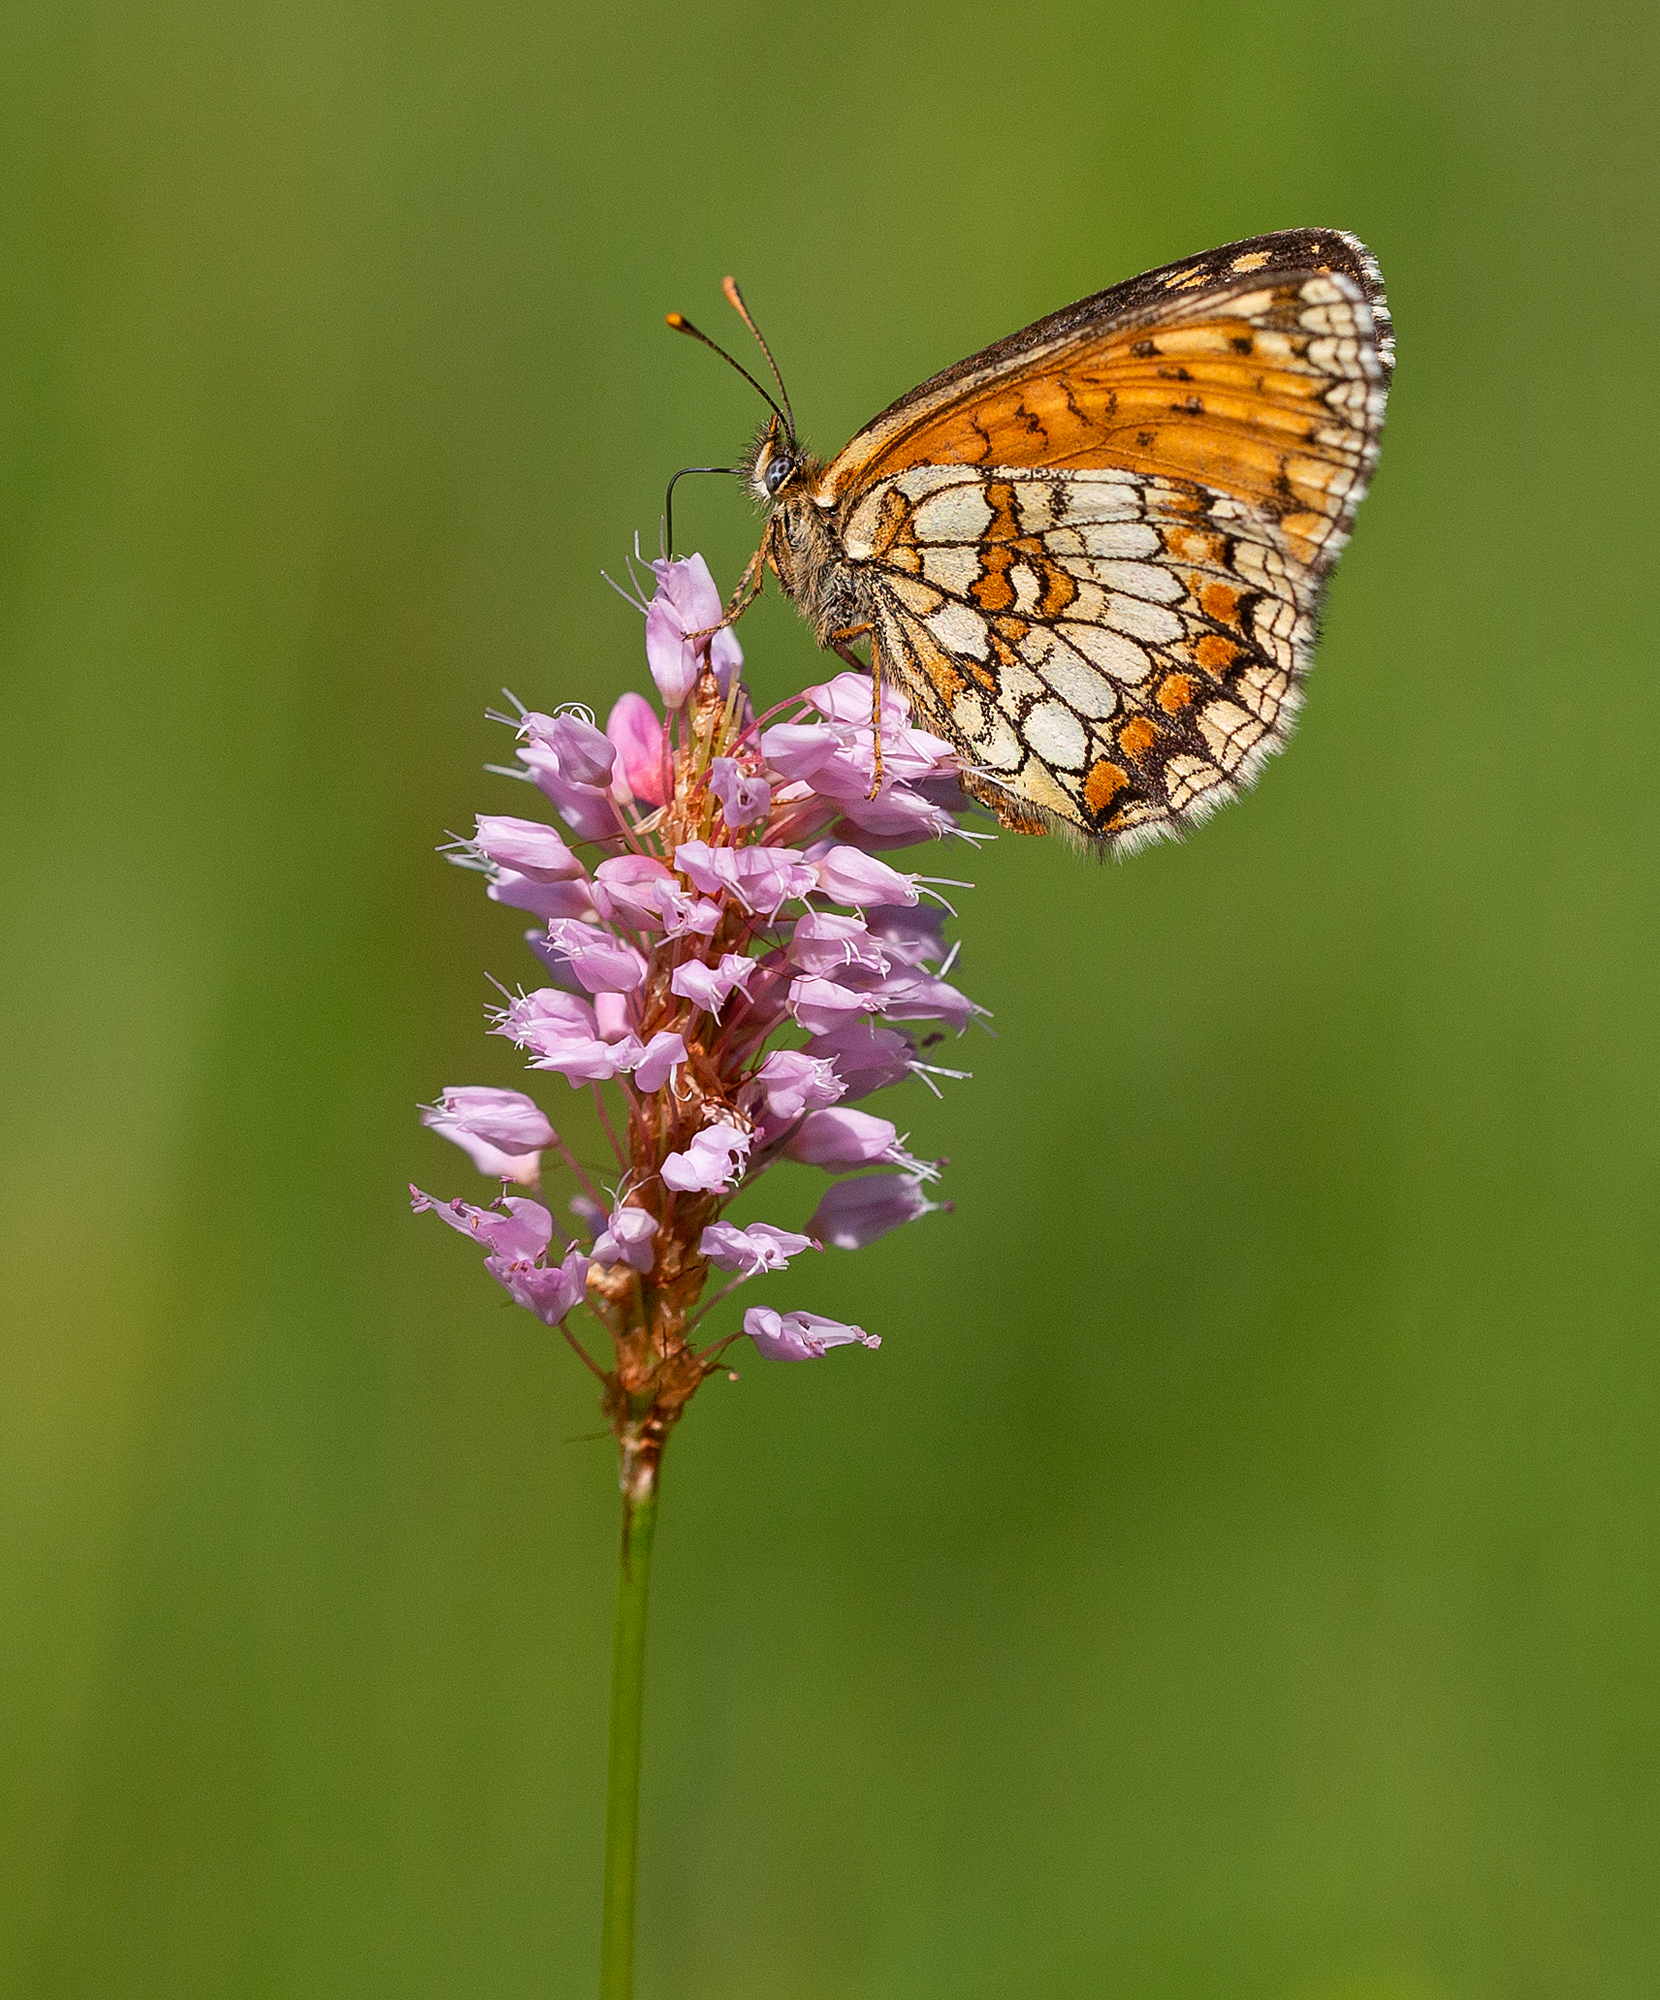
x: 772, y: 467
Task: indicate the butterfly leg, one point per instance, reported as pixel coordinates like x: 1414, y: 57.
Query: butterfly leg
x: 839, y: 642
x: 749, y: 588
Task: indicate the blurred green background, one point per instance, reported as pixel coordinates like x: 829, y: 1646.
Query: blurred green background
x: 1237, y: 1574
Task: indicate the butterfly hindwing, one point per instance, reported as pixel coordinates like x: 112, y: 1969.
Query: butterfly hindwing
x: 1114, y: 653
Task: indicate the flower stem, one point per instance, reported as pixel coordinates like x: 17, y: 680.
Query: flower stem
x: 622, y: 1797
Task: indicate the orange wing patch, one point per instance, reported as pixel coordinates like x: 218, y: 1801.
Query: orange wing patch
x: 1271, y: 396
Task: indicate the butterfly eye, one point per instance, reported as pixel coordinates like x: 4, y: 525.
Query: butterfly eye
x: 778, y: 470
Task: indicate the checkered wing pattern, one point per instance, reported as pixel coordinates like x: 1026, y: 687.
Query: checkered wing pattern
x: 1114, y: 654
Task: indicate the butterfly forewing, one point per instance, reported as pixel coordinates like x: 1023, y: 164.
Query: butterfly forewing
x: 1093, y: 555
x: 1096, y: 368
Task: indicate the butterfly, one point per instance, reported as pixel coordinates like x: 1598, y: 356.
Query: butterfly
x: 1091, y: 557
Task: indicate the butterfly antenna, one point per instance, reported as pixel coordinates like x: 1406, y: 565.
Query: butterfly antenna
x: 682, y: 324
x: 735, y: 299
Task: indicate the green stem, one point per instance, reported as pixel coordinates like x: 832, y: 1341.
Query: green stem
x: 622, y: 1795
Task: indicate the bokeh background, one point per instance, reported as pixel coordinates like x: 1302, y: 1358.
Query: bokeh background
x: 1237, y: 1574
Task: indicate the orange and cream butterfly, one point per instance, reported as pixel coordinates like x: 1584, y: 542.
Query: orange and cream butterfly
x: 1091, y: 557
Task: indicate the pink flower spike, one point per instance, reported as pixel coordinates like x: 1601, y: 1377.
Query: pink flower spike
x: 734, y: 879
x: 658, y: 1061
x: 527, y: 846
x: 743, y: 797
x: 709, y: 986
x: 585, y: 754
x: 713, y: 1160
x: 634, y: 728
x: 758, y: 1248
x: 550, y: 1291
x: 865, y: 1056
x: 792, y: 1082
x: 821, y: 1005
x: 524, y: 1232
x: 602, y: 963
x: 841, y: 1137
x: 862, y: 1210
x: 847, y: 876
x: 800, y: 1336
x: 626, y: 1239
